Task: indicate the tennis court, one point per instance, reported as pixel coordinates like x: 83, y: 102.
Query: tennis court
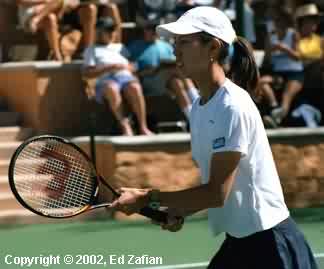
x: 190, y: 248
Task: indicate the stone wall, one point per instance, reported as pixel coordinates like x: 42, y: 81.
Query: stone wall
x: 299, y: 167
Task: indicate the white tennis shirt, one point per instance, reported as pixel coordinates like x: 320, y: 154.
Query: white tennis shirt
x: 230, y: 121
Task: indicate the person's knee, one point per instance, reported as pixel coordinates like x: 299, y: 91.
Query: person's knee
x: 134, y: 88
x: 110, y: 87
x: 50, y: 21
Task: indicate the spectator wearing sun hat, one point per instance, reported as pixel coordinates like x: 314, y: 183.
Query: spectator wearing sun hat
x: 311, y: 51
x: 311, y: 44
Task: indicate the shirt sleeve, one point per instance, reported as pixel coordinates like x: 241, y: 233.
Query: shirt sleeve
x: 235, y: 132
x: 125, y: 52
x: 89, y: 57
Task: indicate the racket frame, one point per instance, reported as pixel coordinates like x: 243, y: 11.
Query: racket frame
x: 96, y: 178
x: 156, y: 215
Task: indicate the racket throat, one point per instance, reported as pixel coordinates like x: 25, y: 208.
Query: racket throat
x: 100, y: 205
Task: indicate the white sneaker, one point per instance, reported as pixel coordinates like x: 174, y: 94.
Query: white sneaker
x: 278, y: 114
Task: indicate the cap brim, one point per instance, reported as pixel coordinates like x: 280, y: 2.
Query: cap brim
x: 176, y: 28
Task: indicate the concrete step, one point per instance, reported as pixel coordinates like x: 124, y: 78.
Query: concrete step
x: 4, y: 185
x: 15, y: 133
x: 7, y: 149
x: 4, y: 165
x: 8, y: 201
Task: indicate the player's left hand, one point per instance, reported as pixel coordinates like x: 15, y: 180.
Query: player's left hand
x: 131, y: 200
x: 175, y: 221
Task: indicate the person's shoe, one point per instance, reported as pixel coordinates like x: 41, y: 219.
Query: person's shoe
x: 278, y: 114
x: 269, y: 122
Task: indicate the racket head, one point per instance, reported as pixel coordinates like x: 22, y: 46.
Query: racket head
x: 53, y: 177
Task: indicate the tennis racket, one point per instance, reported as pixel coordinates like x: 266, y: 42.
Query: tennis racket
x: 54, y: 178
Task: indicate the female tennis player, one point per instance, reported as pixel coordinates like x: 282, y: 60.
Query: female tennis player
x: 240, y: 184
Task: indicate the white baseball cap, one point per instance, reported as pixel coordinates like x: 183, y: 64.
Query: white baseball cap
x: 201, y: 19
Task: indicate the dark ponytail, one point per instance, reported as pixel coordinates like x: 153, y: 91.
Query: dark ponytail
x: 242, y: 66
x: 243, y: 69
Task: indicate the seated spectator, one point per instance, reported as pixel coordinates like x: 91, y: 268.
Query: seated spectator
x: 311, y: 52
x: 156, y: 68
x: 7, y: 20
x: 156, y: 10
x: 229, y: 7
x: 107, y: 62
x: 42, y: 15
x: 80, y: 16
x: 282, y: 52
x: 311, y: 45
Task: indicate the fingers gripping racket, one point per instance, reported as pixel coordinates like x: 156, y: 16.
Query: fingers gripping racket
x: 54, y: 178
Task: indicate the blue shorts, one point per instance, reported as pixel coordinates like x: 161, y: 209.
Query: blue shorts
x: 282, y: 247
x: 121, y: 80
x: 291, y: 75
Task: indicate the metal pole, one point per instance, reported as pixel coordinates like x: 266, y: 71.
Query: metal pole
x: 239, y: 5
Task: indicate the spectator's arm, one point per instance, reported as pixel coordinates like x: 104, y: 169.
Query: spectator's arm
x: 112, y: 11
x: 148, y: 71
x: 89, y: 72
x: 292, y: 52
x: 322, y: 48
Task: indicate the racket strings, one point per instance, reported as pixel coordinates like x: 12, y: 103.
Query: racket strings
x: 54, y: 177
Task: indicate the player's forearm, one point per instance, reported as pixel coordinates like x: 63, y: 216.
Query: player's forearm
x: 194, y: 199
x: 293, y: 54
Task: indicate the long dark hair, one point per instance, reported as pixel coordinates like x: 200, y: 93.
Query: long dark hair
x: 243, y: 68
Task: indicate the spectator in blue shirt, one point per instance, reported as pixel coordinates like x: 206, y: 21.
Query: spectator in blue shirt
x: 155, y: 62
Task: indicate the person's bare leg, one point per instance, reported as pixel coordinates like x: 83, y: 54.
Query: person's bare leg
x: 292, y: 89
x: 51, y: 29
x: 42, y: 11
x: 177, y: 87
x: 135, y: 98
x: 88, y: 19
x: 111, y: 10
x: 114, y: 99
x: 269, y: 95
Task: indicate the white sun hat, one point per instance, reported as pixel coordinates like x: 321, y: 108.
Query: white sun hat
x: 201, y: 19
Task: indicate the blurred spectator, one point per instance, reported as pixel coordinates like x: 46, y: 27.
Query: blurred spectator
x: 281, y: 50
x: 156, y: 68
x: 229, y: 8
x: 311, y: 45
x: 183, y: 6
x: 82, y: 15
x: 156, y: 10
x: 7, y: 19
x: 107, y: 62
x: 311, y: 52
x: 42, y: 15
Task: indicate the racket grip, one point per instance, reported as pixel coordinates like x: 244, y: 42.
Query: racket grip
x: 156, y: 215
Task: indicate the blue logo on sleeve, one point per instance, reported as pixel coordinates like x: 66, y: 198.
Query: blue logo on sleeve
x: 218, y: 142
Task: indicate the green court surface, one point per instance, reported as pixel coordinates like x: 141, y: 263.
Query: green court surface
x: 107, y: 240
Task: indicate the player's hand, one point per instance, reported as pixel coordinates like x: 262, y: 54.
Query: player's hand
x: 174, y: 223
x: 131, y: 200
